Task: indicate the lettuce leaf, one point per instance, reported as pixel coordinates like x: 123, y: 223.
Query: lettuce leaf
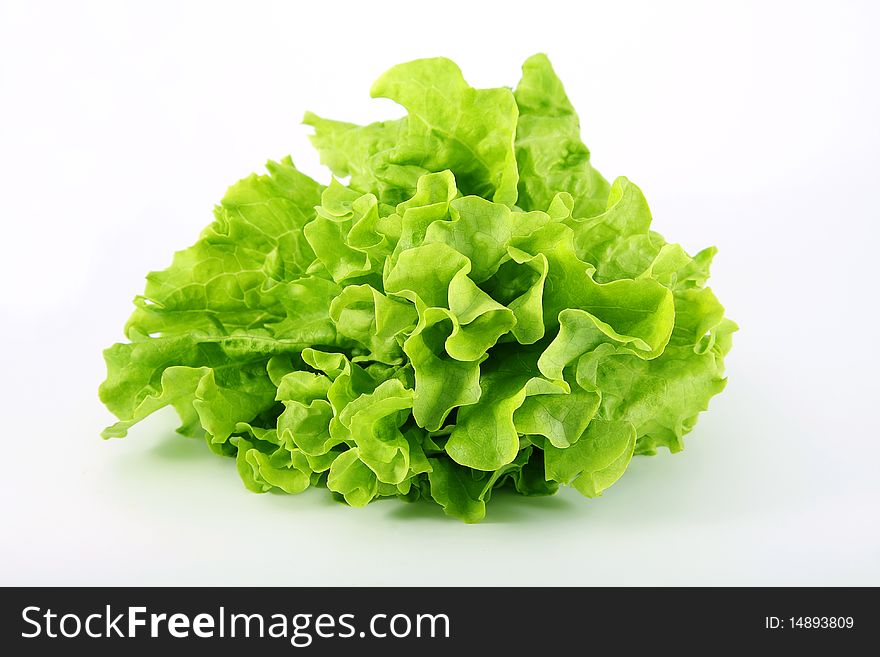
x: 476, y: 307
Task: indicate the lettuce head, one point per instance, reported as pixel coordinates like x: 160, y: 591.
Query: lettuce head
x: 477, y: 307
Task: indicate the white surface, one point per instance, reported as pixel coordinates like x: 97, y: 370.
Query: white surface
x: 752, y: 127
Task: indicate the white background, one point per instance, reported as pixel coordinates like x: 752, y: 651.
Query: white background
x: 753, y: 127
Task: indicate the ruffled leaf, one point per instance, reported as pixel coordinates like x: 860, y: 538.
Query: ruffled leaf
x: 595, y: 461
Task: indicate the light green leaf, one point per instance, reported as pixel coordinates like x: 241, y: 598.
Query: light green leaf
x: 478, y: 229
x: 549, y: 152
x: 351, y: 478
x: 457, y: 490
x: 228, y: 279
x: 286, y: 470
x: 441, y: 382
x: 374, y: 421
x: 595, y: 461
x: 453, y: 126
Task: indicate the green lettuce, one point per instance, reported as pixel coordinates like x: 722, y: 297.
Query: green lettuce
x: 476, y: 308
